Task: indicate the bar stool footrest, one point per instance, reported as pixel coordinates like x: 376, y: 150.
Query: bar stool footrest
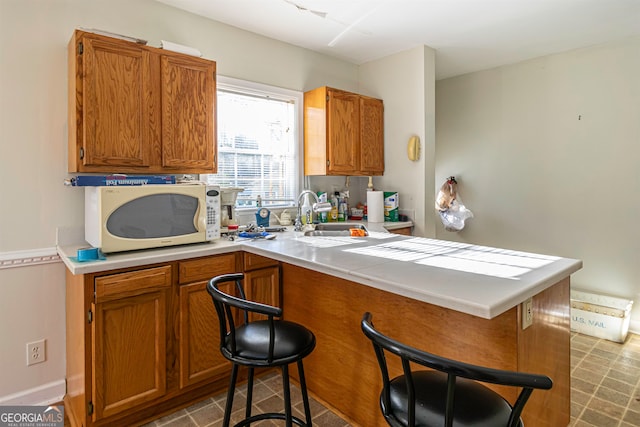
x: 270, y: 416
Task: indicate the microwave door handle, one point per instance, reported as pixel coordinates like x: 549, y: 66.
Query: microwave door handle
x: 202, y: 220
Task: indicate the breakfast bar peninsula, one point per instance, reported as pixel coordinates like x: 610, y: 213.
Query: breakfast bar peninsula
x: 494, y: 307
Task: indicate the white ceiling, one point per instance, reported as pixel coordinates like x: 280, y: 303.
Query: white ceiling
x: 468, y: 35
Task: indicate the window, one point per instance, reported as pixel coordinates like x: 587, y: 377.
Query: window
x: 258, y: 140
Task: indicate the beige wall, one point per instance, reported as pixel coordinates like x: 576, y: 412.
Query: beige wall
x: 547, y: 155
x: 406, y: 82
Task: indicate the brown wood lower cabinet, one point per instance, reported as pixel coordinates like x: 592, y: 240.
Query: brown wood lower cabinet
x: 129, y: 339
x: 343, y: 372
x: 405, y: 231
x: 144, y: 341
x: 262, y: 281
x: 199, y: 337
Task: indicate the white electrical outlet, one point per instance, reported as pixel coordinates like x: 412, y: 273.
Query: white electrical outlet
x: 527, y: 313
x: 36, y: 352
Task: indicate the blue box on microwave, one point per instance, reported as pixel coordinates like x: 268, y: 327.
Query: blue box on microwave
x: 119, y: 179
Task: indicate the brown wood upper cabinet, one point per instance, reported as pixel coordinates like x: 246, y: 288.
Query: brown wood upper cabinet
x: 343, y: 133
x: 139, y: 109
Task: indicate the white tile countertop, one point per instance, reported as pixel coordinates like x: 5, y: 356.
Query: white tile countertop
x: 477, y: 280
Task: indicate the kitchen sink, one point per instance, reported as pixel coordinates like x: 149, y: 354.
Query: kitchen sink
x: 327, y: 233
x: 338, y: 229
x: 339, y: 226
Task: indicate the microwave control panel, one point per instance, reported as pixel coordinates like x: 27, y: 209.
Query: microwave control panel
x: 213, y: 212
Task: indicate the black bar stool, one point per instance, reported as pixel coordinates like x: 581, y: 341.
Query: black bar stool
x: 450, y: 392
x: 259, y: 344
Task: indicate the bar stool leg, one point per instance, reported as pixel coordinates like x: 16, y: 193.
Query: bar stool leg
x: 249, y: 394
x: 287, y: 395
x: 305, y: 397
x: 232, y: 387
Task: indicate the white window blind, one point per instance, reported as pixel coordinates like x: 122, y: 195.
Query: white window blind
x: 258, y: 136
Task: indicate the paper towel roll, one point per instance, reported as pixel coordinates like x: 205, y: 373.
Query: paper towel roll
x: 375, y: 206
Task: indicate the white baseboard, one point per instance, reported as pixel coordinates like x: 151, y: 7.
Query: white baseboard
x: 46, y: 394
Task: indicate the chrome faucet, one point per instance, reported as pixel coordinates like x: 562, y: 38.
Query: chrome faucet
x: 317, y: 207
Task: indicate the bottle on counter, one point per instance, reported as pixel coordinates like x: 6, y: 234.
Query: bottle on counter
x: 333, y: 214
x: 344, y: 206
x: 306, y: 211
x: 322, y: 198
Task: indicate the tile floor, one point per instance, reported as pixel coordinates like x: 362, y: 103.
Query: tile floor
x: 267, y: 397
x: 605, y: 392
x: 605, y: 382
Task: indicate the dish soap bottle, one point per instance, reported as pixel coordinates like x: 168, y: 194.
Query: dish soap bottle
x: 333, y: 215
x: 306, y: 212
x: 343, y: 207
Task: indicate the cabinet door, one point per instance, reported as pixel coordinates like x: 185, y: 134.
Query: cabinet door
x: 200, y: 357
x: 255, y: 261
x: 263, y: 286
x: 115, y: 106
x: 199, y: 333
x: 129, y: 339
x: 371, y: 136
x: 343, y: 132
x: 406, y: 231
x: 188, y: 109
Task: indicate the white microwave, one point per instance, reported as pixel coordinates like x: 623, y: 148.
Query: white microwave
x: 125, y: 218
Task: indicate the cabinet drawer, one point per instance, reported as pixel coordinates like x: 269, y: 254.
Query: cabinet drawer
x: 194, y: 270
x: 132, y: 283
x: 253, y: 261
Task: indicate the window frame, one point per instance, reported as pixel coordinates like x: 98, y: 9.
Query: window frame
x: 264, y: 90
